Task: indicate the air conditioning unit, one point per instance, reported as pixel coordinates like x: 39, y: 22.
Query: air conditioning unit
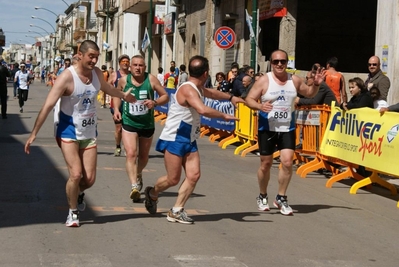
x: 175, y: 2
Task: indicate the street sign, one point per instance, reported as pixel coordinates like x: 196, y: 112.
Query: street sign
x: 225, y: 37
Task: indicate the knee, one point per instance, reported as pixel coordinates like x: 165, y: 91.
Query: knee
x: 131, y: 154
x: 75, y: 176
x: 265, y: 166
x: 193, y: 178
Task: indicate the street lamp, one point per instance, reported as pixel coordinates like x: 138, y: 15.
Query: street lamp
x: 39, y: 28
x: 34, y: 17
x: 37, y: 7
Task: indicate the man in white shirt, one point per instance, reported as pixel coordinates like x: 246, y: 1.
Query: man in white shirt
x: 23, y: 78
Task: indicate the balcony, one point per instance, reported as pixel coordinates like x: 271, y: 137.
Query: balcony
x: 79, y: 34
x: 105, y: 7
x: 138, y: 6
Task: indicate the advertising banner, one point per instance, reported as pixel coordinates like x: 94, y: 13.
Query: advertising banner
x: 363, y: 136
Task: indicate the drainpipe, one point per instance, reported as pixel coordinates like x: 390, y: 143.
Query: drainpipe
x: 253, y: 40
x: 106, y: 34
x: 151, y: 20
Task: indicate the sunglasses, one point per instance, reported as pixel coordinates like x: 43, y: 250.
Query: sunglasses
x: 125, y: 61
x: 372, y: 64
x: 276, y: 61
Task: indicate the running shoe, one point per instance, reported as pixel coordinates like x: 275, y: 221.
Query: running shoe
x: 81, y: 202
x: 21, y: 110
x: 135, y: 194
x: 180, y: 217
x: 149, y: 203
x: 282, y: 205
x: 263, y: 203
x: 117, y: 152
x: 73, y: 219
x: 140, y: 181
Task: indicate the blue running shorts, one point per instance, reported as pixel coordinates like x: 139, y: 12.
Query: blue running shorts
x: 176, y: 148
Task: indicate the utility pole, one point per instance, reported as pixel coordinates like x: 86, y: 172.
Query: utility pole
x: 150, y: 37
x: 254, y: 39
x: 106, y: 34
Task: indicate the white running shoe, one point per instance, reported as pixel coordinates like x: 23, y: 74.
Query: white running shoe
x: 73, y: 219
x: 263, y: 203
x: 282, y: 205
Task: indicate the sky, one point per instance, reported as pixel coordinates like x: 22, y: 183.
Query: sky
x: 16, y: 17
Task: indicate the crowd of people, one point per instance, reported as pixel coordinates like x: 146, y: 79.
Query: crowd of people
x: 275, y: 95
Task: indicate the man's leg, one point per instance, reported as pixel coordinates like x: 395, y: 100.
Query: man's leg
x: 266, y: 163
x: 3, y: 100
x: 130, y: 142
x: 284, y: 178
x: 20, y: 100
x: 144, y: 153
x: 118, y: 139
x: 191, y: 163
x: 173, y: 165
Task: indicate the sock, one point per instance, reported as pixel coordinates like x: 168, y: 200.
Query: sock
x: 278, y: 197
x: 118, y: 146
x: 262, y: 195
x: 176, y: 209
x: 73, y: 211
x: 134, y: 185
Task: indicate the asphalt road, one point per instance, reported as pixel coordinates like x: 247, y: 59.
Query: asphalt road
x: 329, y: 227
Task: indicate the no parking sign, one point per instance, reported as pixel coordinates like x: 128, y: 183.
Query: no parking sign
x: 225, y: 37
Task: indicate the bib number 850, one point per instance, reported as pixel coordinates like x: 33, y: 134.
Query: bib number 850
x: 280, y: 115
x: 88, y: 122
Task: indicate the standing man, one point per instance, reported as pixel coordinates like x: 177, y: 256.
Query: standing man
x: 335, y: 80
x: 67, y: 64
x: 124, y: 63
x: 178, y: 139
x: 377, y: 78
x: 77, y: 130
x: 15, y: 83
x: 176, y: 71
x: 4, y: 74
x: 138, y: 125
x: 277, y: 92
x: 24, y: 79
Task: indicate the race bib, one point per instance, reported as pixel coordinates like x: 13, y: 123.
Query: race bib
x: 280, y: 113
x: 138, y: 108
x: 86, y: 121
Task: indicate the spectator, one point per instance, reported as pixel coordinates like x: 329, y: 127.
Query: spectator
x: 183, y: 77
x: 160, y: 76
x: 360, y: 96
x: 15, y: 83
x: 222, y: 84
x: 233, y: 72
x: 378, y: 102
x: 377, y: 78
x: 176, y: 71
x: 170, y: 79
x: 360, y: 99
x: 335, y: 80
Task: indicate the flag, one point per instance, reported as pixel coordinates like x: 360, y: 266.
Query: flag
x: 248, y: 18
x: 146, y: 41
x: 105, y: 46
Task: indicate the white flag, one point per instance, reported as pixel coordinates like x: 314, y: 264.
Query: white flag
x: 146, y: 41
x: 248, y: 18
x: 106, y: 46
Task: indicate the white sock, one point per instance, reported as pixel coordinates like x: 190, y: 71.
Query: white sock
x: 176, y: 209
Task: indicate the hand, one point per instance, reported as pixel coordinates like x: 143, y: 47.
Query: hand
x: 267, y: 106
x: 319, y: 76
x: 117, y: 115
x: 382, y: 110
x: 228, y: 117
x: 149, y: 103
x: 28, y: 143
x: 235, y: 100
x: 128, y: 97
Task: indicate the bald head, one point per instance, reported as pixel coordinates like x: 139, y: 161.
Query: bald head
x: 198, y: 65
x: 374, y: 65
x: 246, y: 80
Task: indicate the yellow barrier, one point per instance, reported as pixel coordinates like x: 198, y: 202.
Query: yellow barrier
x: 245, y: 131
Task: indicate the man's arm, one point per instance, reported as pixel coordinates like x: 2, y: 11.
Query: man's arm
x: 344, y: 95
x: 219, y: 95
x: 306, y: 90
x: 110, y: 90
x: 59, y: 89
x: 112, y: 78
x: 187, y: 96
x: 384, y: 85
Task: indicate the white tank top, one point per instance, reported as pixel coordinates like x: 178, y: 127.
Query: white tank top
x: 183, y: 123
x: 78, y: 117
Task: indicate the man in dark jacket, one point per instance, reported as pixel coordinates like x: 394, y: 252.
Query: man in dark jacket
x: 13, y: 71
x: 377, y: 78
x: 4, y: 73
